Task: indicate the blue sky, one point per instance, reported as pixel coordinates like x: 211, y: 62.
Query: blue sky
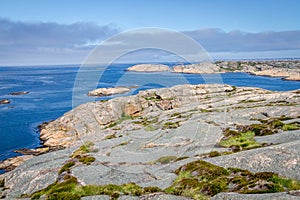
x: 223, y: 27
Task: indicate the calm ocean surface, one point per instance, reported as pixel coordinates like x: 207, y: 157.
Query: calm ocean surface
x: 51, y: 87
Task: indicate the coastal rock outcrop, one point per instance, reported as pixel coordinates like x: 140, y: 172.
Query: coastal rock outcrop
x: 91, y: 117
x: 108, y: 91
x: 149, y: 68
x: 147, y: 141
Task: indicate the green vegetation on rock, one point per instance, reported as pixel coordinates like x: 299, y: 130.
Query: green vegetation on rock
x: 70, y: 189
x: 147, y: 121
x: 59, y: 190
x: 200, y: 180
x: 241, y: 141
x: 120, y: 120
x: 66, y: 167
x: 109, y: 137
x: 82, y: 150
x: 243, y: 137
x: 165, y: 160
x: 87, y: 160
x: 291, y: 126
x: 197, y: 179
x: 171, y: 125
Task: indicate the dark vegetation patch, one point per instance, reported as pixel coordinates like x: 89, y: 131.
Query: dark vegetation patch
x: 153, y: 98
x: 165, y: 159
x: 171, y: 125
x: 87, y: 160
x: 146, y: 121
x: 109, y: 137
x: 2, y: 183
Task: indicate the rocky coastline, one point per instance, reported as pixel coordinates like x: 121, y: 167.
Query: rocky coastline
x: 287, y: 70
x: 155, y: 142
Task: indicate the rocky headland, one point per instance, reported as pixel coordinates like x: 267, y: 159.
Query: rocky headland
x: 286, y: 69
x: 188, y: 141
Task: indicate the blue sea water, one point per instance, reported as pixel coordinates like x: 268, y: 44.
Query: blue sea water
x: 51, y: 88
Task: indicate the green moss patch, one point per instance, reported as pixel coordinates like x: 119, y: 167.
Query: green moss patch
x: 58, y: 190
x: 165, y: 159
x: 270, y: 126
x: 87, y: 160
x: 82, y: 150
x: 66, y: 167
x: 291, y: 126
x: 241, y: 141
x: 200, y: 180
x: 120, y: 120
x: 243, y: 137
x: 70, y: 189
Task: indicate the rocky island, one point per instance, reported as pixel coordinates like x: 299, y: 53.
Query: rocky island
x: 188, y: 141
x: 18, y: 93
x: 4, y: 101
x: 149, y: 68
x: 108, y: 91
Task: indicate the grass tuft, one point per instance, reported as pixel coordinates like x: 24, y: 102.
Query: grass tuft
x: 66, y: 167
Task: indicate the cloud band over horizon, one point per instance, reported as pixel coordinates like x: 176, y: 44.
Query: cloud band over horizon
x: 53, y: 43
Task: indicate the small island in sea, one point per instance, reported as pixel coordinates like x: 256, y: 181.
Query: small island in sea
x: 200, y: 141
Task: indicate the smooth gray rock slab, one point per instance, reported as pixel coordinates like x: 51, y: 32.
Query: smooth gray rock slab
x: 282, y: 159
x: 283, y: 137
x: 270, y: 196
x: 98, y: 197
